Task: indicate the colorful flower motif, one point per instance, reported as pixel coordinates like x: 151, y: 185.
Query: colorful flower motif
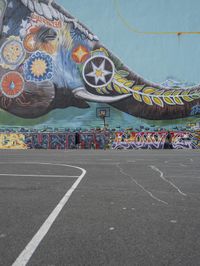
x: 12, y: 84
x: 12, y: 53
x: 80, y: 54
x: 38, y: 67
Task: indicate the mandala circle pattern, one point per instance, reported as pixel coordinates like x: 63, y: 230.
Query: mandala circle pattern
x: 98, y: 71
x: 12, y: 84
x: 38, y: 67
x: 12, y: 53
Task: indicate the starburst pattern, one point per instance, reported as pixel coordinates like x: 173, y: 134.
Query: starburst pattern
x: 98, y: 71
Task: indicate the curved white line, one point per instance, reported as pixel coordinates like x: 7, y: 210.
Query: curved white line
x: 27, y: 253
x: 183, y: 165
x: 166, y: 180
x: 139, y: 185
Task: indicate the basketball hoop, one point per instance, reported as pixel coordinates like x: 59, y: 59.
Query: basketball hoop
x: 102, y: 113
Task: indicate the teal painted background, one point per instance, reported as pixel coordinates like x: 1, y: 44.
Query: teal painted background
x: 155, y: 57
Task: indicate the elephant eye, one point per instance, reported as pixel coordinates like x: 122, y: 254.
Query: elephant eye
x: 46, y: 34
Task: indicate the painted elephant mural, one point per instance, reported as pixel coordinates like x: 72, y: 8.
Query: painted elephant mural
x: 49, y: 60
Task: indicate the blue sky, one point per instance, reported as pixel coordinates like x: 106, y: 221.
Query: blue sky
x: 156, y: 57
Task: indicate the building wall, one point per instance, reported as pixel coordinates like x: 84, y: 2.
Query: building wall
x: 157, y: 57
x: 98, y: 140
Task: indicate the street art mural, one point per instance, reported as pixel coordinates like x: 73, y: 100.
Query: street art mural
x: 49, y: 60
x: 12, y: 141
x: 155, y: 140
x: 61, y: 141
x: 98, y: 140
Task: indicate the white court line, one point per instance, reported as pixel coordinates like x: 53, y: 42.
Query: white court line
x: 28, y: 251
x: 78, y: 162
x: 166, y: 180
x: 22, y: 175
x: 183, y: 165
x: 139, y: 185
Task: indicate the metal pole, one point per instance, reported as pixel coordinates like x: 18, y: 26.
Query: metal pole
x: 104, y: 121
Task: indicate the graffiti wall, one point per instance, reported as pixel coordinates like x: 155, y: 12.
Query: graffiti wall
x: 50, y: 61
x: 155, y: 140
x: 89, y: 140
x: 98, y: 140
x: 12, y: 141
x: 66, y: 140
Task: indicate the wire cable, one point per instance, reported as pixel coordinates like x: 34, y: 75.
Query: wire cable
x: 135, y: 30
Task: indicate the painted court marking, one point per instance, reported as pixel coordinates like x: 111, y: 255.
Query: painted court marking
x: 166, y: 180
x: 183, y: 165
x: 22, y: 175
x: 28, y: 251
x: 139, y: 185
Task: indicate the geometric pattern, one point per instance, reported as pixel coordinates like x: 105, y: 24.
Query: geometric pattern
x: 98, y: 71
x: 12, y: 84
x: 38, y: 67
x: 12, y: 53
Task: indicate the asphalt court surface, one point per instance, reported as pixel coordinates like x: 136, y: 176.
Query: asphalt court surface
x: 139, y: 207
